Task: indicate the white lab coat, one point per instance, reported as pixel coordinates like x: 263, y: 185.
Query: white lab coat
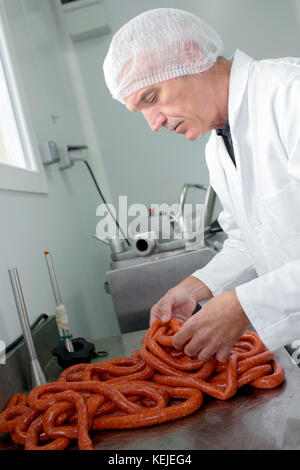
x: 261, y: 197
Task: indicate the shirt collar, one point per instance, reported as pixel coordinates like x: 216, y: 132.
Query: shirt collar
x: 225, y: 130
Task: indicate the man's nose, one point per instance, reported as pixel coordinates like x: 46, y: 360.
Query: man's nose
x: 156, y: 120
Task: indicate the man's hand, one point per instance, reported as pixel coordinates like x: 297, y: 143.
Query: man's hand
x: 180, y: 301
x: 214, y: 329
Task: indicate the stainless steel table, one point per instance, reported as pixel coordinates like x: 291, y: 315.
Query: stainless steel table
x: 253, y: 419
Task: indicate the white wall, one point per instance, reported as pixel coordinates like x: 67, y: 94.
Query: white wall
x: 152, y: 167
x: 64, y: 220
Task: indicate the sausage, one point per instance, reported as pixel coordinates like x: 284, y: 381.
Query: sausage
x: 251, y: 374
x: 84, y: 441
x: 145, y: 374
x: 184, y: 363
x: 17, y: 399
x: 252, y: 342
x: 32, y: 438
x: 134, y: 392
x: 127, y: 368
x: 209, y: 389
x: 261, y: 358
x: 22, y: 425
x: 10, y: 417
x: 272, y: 380
x: 73, y: 373
x: 36, y: 400
x: 193, y: 401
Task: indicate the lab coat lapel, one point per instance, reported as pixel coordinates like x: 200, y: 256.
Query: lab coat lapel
x: 237, y: 84
x: 239, y: 126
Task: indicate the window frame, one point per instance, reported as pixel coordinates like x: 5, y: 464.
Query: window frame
x: 15, y: 178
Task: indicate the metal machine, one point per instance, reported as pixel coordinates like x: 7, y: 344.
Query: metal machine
x: 142, y: 273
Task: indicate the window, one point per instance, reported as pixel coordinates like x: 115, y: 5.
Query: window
x: 20, y: 163
x: 11, y: 151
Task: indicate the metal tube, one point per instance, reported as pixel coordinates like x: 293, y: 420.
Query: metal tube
x: 53, y: 278
x: 209, y: 205
x: 182, y: 200
x: 37, y: 375
x: 67, y: 341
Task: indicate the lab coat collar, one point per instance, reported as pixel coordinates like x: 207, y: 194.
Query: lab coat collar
x: 238, y: 82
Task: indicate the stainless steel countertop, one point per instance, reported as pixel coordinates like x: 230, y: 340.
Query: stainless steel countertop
x: 253, y: 419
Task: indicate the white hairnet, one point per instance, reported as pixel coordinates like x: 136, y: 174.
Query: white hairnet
x: 158, y: 45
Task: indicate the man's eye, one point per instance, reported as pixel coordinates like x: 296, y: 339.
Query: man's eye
x: 151, y: 99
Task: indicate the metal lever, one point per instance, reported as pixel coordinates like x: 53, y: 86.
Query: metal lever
x: 36, y: 372
x: 210, y: 197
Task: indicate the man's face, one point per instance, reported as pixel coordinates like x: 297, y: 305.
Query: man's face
x: 185, y: 105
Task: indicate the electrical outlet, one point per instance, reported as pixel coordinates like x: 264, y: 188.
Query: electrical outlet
x: 49, y: 152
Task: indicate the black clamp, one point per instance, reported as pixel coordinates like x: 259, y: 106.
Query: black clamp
x: 83, y: 353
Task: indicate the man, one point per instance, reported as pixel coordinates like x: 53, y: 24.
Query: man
x: 168, y: 65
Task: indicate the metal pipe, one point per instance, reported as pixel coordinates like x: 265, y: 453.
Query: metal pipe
x: 36, y: 372
x: 209, y: 204
x: 67, y: 341
x: 184, y: 192
x: 182, y: 200
x: 53, y: 279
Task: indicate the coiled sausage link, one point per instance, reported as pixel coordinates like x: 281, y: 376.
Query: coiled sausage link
x: 272, y: 380
x: 10, y: 417
x: 32, y: 438
x: 209, y: 389
x: 127, y: 368
x: 84, y: 441
x: 193, y: 397
x: 134, y: 392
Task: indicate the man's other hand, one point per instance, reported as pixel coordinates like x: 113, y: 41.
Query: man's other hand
x: 180, y: 301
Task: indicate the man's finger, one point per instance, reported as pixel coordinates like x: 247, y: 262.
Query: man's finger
x: 182, y: 336
x: 222, y: 355
x: 193, y: 347
x: 154, y: 314
x: 162, y: 310
x: 206, y: 353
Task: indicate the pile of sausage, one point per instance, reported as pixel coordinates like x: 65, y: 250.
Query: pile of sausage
x: 155, y: 385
